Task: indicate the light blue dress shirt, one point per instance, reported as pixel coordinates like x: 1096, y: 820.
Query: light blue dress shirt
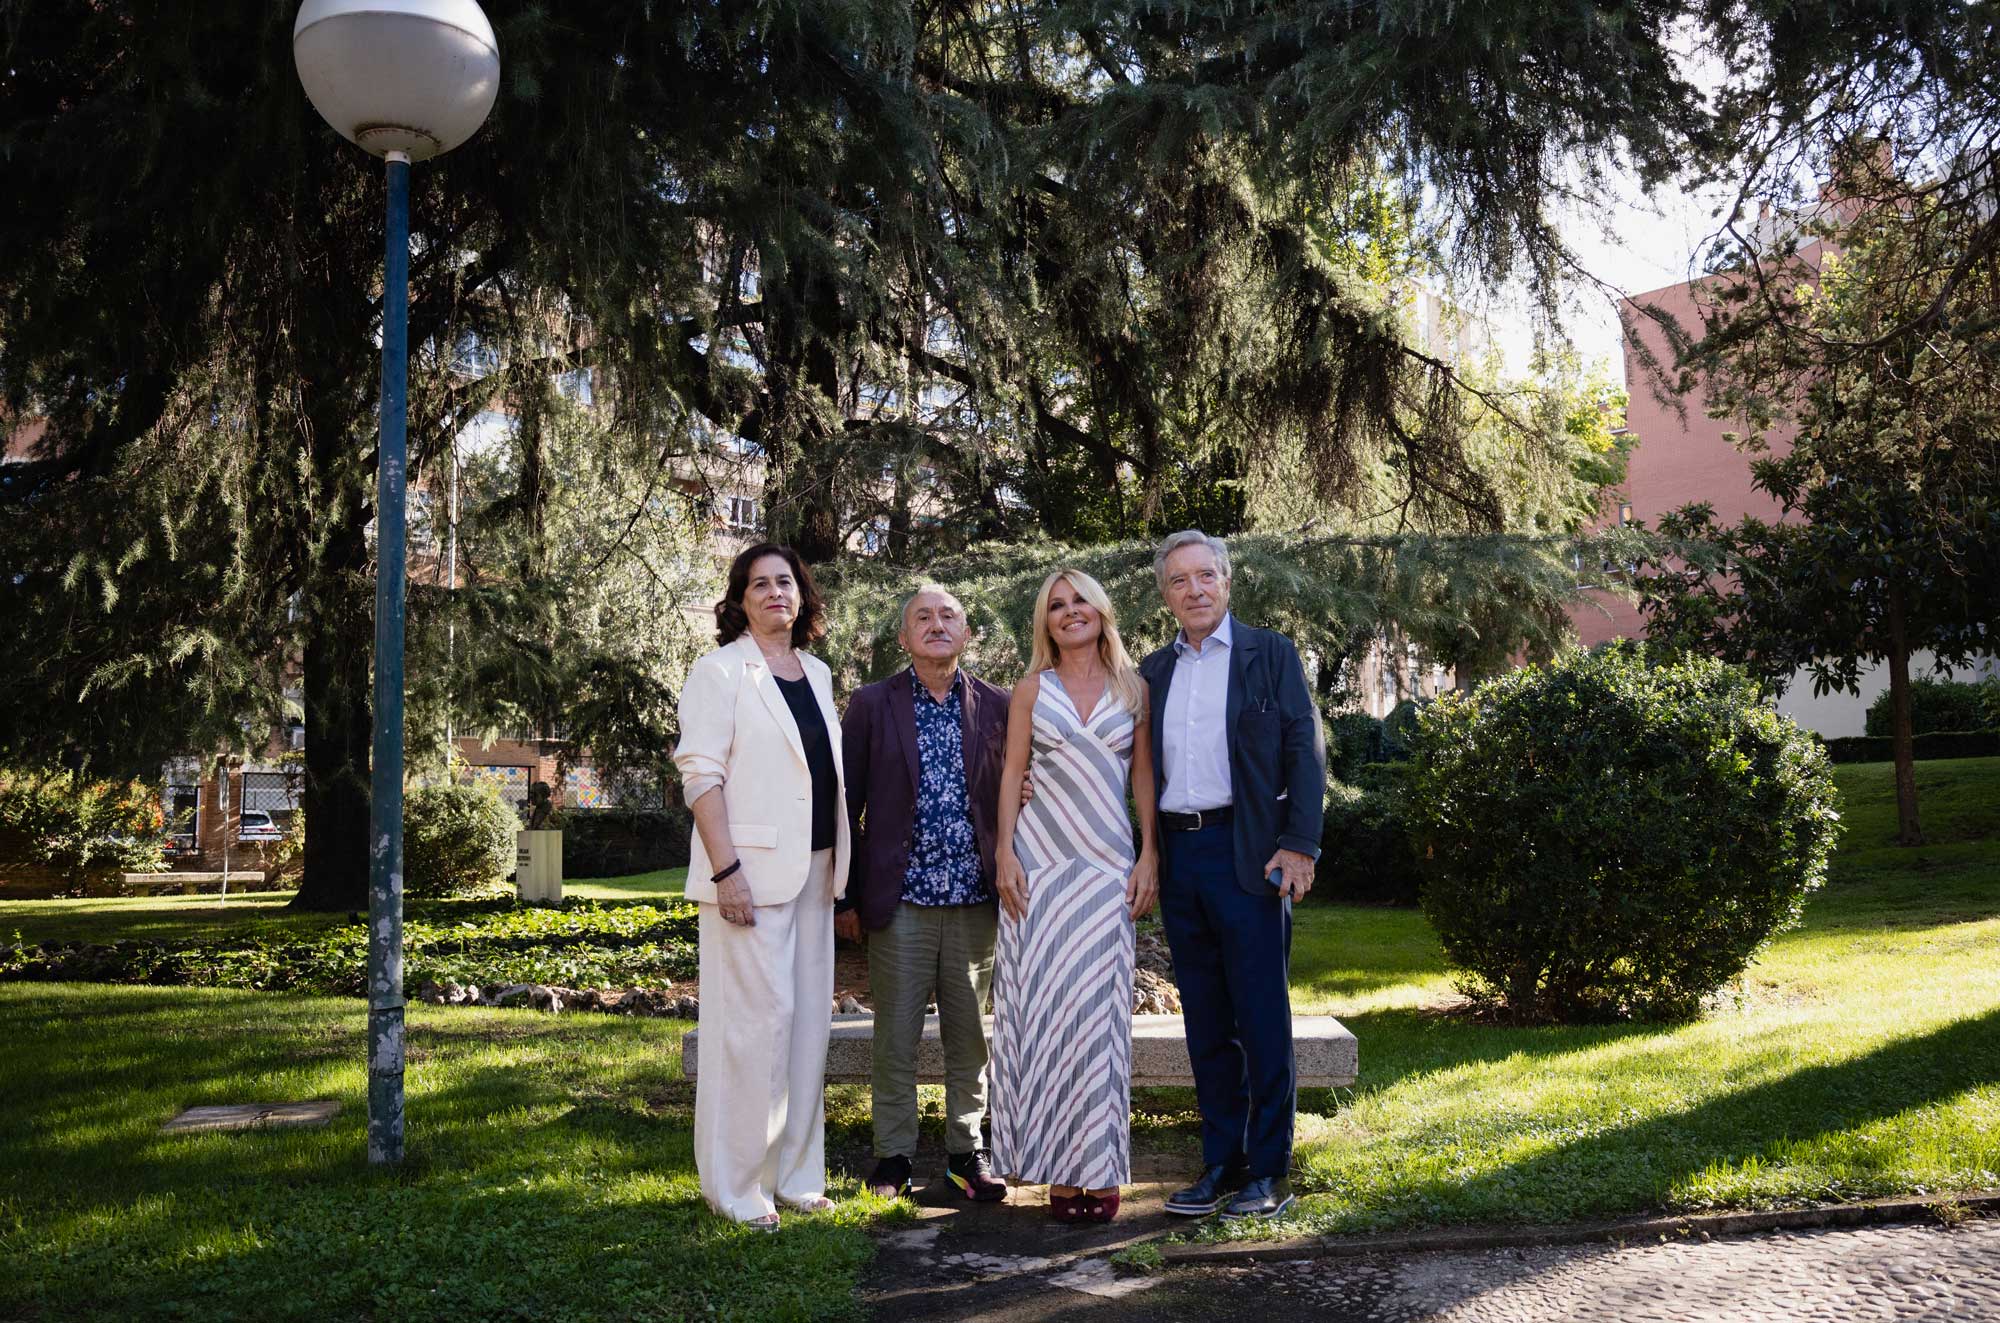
x: 1194, y: 734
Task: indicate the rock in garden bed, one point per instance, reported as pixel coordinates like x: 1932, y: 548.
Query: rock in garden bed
x: 669, y: 1002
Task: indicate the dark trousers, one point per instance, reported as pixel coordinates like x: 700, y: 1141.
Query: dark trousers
x: 1232, y: 959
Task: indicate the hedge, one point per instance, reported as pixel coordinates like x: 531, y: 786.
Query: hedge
x: 1366, y: 855
x: 617, y: 842
x: 1938, y: 744
x: 1939, y: 705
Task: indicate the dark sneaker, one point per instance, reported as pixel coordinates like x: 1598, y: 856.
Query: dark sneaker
x: 973, y: 1174
x: 1216, y: 1187
x: 891, y: 1179
x: 1264, y: 1198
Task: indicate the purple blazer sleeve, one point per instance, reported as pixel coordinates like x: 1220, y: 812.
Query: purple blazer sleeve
x: 855, y: 757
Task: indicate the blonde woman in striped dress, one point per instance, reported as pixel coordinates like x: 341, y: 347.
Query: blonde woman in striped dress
x: 1070, y: 887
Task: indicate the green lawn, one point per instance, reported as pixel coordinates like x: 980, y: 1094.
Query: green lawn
x: 550, y: 1174
x: 651, y: 887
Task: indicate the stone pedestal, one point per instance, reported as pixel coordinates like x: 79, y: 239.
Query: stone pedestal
x: 538, y: 874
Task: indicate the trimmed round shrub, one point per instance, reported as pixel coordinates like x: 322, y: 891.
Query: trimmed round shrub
x: 1613, y: 836
x: 456, y: 839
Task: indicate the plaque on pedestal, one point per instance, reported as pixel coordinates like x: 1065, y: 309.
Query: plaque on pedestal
x: 538, y: 874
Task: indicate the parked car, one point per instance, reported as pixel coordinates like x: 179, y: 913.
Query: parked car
x: 256, y: 825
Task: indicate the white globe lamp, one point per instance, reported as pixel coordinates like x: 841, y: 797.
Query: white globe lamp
x: 410, y: 76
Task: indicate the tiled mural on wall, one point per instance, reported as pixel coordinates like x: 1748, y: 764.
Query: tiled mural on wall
x: 511, y: 782
x: 582, y: 787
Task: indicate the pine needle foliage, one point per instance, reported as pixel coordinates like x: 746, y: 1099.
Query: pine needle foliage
x: 1466, y: 602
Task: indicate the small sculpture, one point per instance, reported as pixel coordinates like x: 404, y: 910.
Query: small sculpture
x: 540, y: 806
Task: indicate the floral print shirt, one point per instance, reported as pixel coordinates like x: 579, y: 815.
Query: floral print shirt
x: 944, y: 852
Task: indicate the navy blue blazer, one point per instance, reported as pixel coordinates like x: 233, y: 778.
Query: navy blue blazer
x: 1277, y: 753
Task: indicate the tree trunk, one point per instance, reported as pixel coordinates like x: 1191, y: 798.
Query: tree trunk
x: 339, y: 732
x: 1908, y: 831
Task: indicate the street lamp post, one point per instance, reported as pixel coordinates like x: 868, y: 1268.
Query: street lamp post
x: 404, y: 80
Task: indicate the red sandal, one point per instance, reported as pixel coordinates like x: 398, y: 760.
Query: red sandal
x: 1097, y: 1208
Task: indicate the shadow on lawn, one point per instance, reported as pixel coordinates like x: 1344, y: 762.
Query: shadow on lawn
x: 1396, y: 1044
x: 425, y: 1243
x: 1903, y: 1075
x: 89, y: 1089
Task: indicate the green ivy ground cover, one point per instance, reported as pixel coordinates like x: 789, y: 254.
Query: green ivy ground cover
x: 582, y: 944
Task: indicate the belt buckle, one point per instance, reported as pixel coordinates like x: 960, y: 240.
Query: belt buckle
x: 1197, y: 821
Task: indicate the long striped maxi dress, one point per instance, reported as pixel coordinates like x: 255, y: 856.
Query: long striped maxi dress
x: 1061, y: 1065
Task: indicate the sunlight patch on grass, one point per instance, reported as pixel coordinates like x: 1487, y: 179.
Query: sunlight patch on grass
x: 666, y: 884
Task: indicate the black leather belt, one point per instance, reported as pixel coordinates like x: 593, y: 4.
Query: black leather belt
x: 1217, y: 817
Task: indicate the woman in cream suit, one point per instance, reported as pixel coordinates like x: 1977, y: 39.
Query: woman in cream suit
x: 759, y: 759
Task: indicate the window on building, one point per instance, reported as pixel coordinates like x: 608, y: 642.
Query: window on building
x: 743, y: 513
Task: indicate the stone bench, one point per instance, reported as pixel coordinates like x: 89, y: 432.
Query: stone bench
x: 1326, y: 1053
x: 189, y: 884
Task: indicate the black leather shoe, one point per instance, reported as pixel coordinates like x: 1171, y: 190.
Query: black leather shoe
x: 1265, y: 1197
x: 1215, y: 1188
x: 891, y: 1179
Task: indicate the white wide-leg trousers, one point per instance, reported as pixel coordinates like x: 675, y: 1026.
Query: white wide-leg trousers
x: 766, y: 1010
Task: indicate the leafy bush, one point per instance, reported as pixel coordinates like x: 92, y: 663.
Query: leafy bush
x: 614, y: 842
x: 1354, y: 740
x: 456, y: 839
x: 1399, y: 730
x: 1357, y: 740
x: 80, y: 828
x: 580, y: 944
x: 1940, y: 705
x: 1610, y: 837
x: 1365, y: 850
x: 1937, y: 744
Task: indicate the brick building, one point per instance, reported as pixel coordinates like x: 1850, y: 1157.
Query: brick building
x: 1683, y: 456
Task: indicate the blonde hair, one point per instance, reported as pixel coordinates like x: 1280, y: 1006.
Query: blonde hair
x: 1121, y: 677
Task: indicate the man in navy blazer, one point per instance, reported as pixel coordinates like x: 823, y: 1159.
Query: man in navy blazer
x: 922, y: 752
x: 1239, y: 767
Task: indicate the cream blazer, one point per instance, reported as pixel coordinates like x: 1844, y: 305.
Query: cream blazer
x: 737, y: 733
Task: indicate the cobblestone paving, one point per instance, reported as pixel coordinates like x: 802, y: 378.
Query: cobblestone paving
x: 1857, y: 1275
x: 1008, y: 1264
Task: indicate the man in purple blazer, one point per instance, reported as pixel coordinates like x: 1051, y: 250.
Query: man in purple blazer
x: 922, y: 752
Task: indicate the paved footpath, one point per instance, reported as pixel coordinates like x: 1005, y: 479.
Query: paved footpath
x: 1009, y: 1265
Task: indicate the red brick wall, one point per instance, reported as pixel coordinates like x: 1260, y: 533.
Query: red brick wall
x: 1681, y: 455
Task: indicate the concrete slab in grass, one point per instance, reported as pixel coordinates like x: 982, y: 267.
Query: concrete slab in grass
x: 252, y: 1116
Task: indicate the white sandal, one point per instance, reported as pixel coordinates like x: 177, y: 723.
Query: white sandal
x: 767, y: 1223
x: 812, y: 1203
